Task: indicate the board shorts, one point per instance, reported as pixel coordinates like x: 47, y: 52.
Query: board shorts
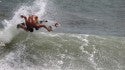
x: 30, y: 29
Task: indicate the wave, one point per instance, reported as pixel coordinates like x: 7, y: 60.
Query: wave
x: 60, y: 51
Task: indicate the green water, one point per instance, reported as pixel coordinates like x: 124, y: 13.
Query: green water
x: 60, y: 51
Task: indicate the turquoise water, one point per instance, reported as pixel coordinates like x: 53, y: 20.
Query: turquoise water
x: 91, y: 36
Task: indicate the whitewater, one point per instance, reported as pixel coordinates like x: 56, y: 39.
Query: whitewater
x: 91, y: 35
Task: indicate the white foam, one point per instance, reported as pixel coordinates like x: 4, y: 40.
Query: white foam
x: 9, y: 31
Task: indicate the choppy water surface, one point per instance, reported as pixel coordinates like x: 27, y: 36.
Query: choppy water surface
x: 91, y: 36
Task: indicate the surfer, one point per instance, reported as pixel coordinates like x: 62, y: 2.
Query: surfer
x: 32, y: 22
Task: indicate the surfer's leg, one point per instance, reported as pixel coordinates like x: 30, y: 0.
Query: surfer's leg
x: 22, y: 26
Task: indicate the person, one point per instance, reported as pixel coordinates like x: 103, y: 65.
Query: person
x: 32, y: 22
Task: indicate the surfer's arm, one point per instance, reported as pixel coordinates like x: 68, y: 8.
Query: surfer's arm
x: 22, y: 16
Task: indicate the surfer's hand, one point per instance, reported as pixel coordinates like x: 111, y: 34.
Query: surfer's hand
x: 22, y: 16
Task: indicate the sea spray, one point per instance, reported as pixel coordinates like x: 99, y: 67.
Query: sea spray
x: 9, y: 31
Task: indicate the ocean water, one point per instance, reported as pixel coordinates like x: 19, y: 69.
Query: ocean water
x: 91, y: 35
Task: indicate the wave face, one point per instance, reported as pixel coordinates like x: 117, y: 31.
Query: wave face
x: 91, y: 36
x: 60, y: 51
